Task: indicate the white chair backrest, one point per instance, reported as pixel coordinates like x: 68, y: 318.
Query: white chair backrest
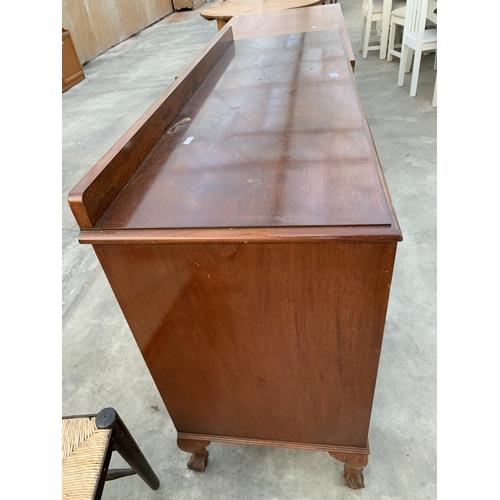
x: 416, y: 15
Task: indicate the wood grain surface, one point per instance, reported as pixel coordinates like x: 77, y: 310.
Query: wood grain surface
x: 278, y: 341
x: 97, y: 25
x: 285, y: 22
x: 246, y: 229
x: 274, y: 136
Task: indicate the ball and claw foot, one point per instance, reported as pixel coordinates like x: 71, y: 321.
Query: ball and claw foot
x: 199, y: 454
x: 198, y: 461
x: 354, y: 463
x: 353, y: 477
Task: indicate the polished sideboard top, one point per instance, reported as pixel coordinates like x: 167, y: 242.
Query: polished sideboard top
x: 273, y: 136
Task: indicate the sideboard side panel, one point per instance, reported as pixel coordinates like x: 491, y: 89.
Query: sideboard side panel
x: 266, y: 341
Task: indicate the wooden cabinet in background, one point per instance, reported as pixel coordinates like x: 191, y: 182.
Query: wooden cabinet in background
x: 72, y: 71
x: 187, y: 4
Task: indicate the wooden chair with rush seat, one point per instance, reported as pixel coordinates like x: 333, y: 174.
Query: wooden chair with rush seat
x: 88, y: 442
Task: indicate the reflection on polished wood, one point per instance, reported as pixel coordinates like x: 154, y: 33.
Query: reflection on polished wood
x: 246, y: 230
x: 286, y: 22
x: 275, y: 143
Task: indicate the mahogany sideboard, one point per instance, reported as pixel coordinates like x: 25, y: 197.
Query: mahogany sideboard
x: 246, y: 229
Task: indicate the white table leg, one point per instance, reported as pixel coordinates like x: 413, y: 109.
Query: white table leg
x: 435, y: 95
x: 386, y: 19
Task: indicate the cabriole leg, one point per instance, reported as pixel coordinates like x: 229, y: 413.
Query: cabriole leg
x: 198, y: 460
x: 354, y: 463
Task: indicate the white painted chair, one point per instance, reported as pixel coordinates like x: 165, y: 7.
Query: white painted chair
x: 372, y: 14
x: 416, y: 39
x: 398, y: 17
x: 397, y: 24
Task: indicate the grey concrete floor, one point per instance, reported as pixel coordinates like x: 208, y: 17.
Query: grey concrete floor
x: 102, y: 366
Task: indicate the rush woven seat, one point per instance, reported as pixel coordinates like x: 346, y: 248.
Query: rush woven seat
x: 83, y: 453
x: 87, y: 444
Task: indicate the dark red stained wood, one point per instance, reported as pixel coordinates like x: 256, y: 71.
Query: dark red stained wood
x: 243, y: 235
x: 253, y: 264
x: 277, y: 141
x: 274, y: 342
x: 91, y: 197
x: 284, y: 22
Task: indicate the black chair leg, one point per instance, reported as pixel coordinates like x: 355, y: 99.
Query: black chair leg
x: 125, y: 445
x: 118, y: 473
